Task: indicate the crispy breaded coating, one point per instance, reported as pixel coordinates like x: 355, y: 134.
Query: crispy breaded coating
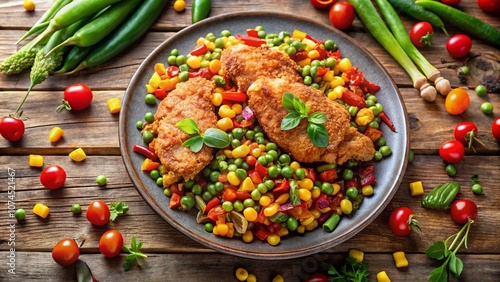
x: 190, y: 99
x: 265, y: 101
x: 243, y: 64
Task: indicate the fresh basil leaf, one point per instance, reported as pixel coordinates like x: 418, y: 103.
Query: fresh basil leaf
x: 439, y: 274
x: 317, y: 118
x: 300, y: 107
x: 287, y: 100
x: 436, y: 250
x: 290, y: 121
x: 216, y: 138
x: 188, y: 125
x: 194, y: 143
x: 456, y: 265
x: 318, y: 134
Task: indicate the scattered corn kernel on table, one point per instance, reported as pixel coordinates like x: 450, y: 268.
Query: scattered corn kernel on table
x: 25, y: 247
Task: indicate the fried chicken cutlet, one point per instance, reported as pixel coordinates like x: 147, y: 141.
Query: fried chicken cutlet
x: 243, y: 64
x: 190, y: 99
x: 265, y: 96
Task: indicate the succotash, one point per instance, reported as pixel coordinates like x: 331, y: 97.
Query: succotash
x: 252, y: 190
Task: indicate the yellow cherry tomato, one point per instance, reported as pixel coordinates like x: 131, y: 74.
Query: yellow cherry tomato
x: 457, y: 101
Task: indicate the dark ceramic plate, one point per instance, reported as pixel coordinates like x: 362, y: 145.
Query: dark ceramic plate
x: 389, y: 172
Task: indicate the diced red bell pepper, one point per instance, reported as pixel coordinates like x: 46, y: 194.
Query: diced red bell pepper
x: 216, y: 212
x: 260, y: 232
x: 322, y: 71
x: 160, y: 94
x: 242, y: 195
x: 176, y: 189
x: 254, y: 175
x: 229, y: 195
x: 314, y: 39
x: 172, y: 71
x: 250, y: 40
x: 299, y: 56
x: 352, y: 183
x: 281, y: 186
x: 322, y: 52
x: 322, y: 202
x: 252, y: 32
x: 199, y: 50
x: 261, y: 170
x: 312, y: 174
x: 203, y: 72
x: 334, y: 54
x: 328, y: 175
x: 234, y: 96
x: 241, y: 124
x: 211, y: 204
x: 148, y: 165
x: 352, y: 99
x: 357, y: 78
x: 368, y: 179
x: 175, y: 200
x: 373, y: 133
x: 261, y: 217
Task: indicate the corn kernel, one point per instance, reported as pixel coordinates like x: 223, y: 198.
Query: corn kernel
x: 150, y: 89
x: 336, y: 188
x: 273, y: 240
x: 225, y: 124
x: 307, y: 221
x: 271, y: 209
x: 282, y: 199
x: 346, y: 206
x: 166, y: 85
x: 241, y: 151
x: 241, y: 274
x: 298, y: 34
x: 306, y: 183
x: 250, y: 214
x: 35, y: 160
x: 226, y: 111
x: 114, y: 105
x: 416, y: 188
x: 214, y: 66
x: 382, y: 277
x: 230, y: 231
x: 304, y: 62
x: 173, y: 81
x: 316, y: 213
x: 216, y: 99
x: 301, y: 229
x: 233, y: 179
x: 367, y: 190
x: 294, y: 165
x: 357, y: 255
x: 338, y: 90
x: 247, y: 185
x: 200, y: 40
x: 309, y: 44
x: 247, y: 237
x: 29, y: 6
x: 304, y: 194
x: 194, y: 62
x: 251, y: 278
x: 328, y: 76
x: 256, y: 152
x: 55, y: 134
x: 222, y: 229
x: 315, y: 192
x: 283, y: 232
x: 228, y: 154
x: 311, y: 226
x: 345, y: 65
x: 313, y: 54
x: 78, y: 155
x: 400, y: 259
x: 41, y: 210
x: 265, y: 201
x: 237, y: 108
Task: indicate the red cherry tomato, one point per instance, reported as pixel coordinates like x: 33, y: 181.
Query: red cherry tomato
x: 489, y: 5
x: 341, y: 15
x: 465, y: 132
x: 462, y: 210
x: 457, y: 101
x: 53, y: 177
x: 495, y: 128
x: 98, y: 213
x: 450, y: 2
x: 421, y: 34
x: 458, y: 45
x: 77, y: 97
x: 320, y: 4
x: 66, y: 252
x: 401, y: 221
x: 111, y: 243
x: 317, y: 277
x: 452, y: 151
x: 12, y: 129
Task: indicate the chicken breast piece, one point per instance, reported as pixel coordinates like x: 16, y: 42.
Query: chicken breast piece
x: 243, y: 64
x: 265, y: 96
x: 190, y: 99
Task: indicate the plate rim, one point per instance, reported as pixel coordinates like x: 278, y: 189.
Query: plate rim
x: 280, y: 254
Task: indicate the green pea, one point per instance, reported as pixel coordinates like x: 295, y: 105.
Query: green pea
x: 283, y: 34
x: 180, y: 60
x: 411, y: 155
x: 207, y: 196
x: 300, y: 173
x: 477, y: 189
x: 209, y: 227
x: 269, y: 183
x: 235, y: 143
x: 149, y: 117
x: 270, y: 158
x: 101, y: 180
x: 330, y: 62
x: 172, y: 60
x: 211, y: 189
x: 238, y: 162
x: 150, y: 99
x: 327, y: 188
x: 219, y: 43
x: 20, y: 214
x: 255, y: 194
x: 315, y: 85
x: 308, y: 80
x: 260, y: 140
x: 352, y: 163
x: 223, y: 165
x: 248, y: 203
x: 76, y: 209
x: 273, y: 171
x: 262, y: 160
x: 238, y: 133
x: 451, y: 170
x: 292, y: 224
x: 262, y: 188
x: 258, y: 129
x: 154, y: 174
x: 183, y: 76
x: 481, y: 90
x: 167, y: 192
x: 227, y: 206
x: 385, y: 150
x: 245, y: 165
x: 330, y: 45
x: 225, y: 33
x: 352, y: 192
x: 238, y: 206
x: 285, y: 159
x: 241, y: 173
x: 249, y: 134
x: 206, y: 172
x: 139, y: 124
x: 487, y: 108
x: 380, y: 142
x: 159, y: 181
x: 374, y: 124
x: 219, y: 186
x: 347, y: 174
x: 369, y: 103
x: 297, y: 44
x: 290, y: 51
x: 232, y: 167
x: 314, y: 71
x: 197, y: 189
x: 214, y: 176
x: 378, y: 156
x: 174, y: 52
x: 305, y: 71
x: 262, y: 34
x: 187, y: 202
x: 287, y: 172
x: 352, y: 110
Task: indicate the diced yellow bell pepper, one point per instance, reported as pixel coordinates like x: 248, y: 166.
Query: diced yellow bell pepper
x: 382, y: 277
x: 416, y: 188
x: 247, y: 185
x: 41, y: 210
x: 357, y: 255
x: 114, y: 105
x: 155, y: 79
x: 160, y: 68
x: 78, y: 155
x: 400, y: 259
x: 55, y: 134
x: 298, y: 34
x: 36, y: 160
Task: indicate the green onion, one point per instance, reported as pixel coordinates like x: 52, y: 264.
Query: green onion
x: 331, y: 223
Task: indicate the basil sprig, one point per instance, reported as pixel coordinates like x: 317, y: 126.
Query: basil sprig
x: 213, y: 137
x: 316, y: 129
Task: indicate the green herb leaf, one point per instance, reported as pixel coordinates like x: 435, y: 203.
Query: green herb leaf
x: 287, y: 100
x: 83, y: 273
x: 134, y: 254
x: 318, y: 134
x: 317, y: 118
x: 117, y: 209
x: 216, y: 138
x: 474, y: 178
x: 439, y: 274
x: 290, y: 121
x: 436, y: 251
x: 194, y: 143
x: 456, y: 265
x: 300, y: 107
x: 189, y: 126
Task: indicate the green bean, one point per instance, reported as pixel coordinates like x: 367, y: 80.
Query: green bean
x: 415, y: 11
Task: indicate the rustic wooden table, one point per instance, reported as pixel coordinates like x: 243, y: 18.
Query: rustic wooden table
x: 173, y: 256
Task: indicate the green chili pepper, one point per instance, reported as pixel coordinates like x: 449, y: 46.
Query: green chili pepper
x: 200, y: 10
x: 441, y: 196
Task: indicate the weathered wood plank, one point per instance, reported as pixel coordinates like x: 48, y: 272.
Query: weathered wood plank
x: 200, y: 267
x: 81, y: 188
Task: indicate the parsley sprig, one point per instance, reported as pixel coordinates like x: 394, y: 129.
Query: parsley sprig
x: 350, y: 271
x: 213, y: 137
x: 298, y: 110
x: 134, y: 254
x: 117, y: 209
x: 441, y: 251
